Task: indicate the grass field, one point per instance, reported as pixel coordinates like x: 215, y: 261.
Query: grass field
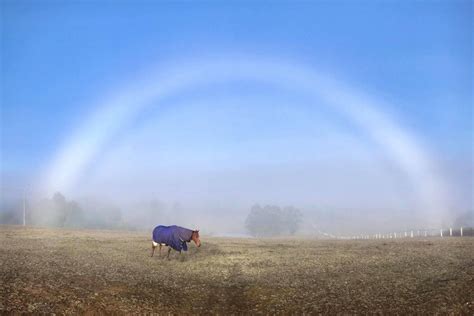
x: 78, y: 271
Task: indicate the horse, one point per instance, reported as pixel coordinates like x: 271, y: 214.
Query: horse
x: 174, y: 237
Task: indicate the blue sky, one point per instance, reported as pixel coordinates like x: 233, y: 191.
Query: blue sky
x: 59, y: 58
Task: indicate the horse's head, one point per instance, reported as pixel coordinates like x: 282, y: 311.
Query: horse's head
x: 195, y: 238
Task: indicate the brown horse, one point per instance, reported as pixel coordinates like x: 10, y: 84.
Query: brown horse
x: 174, y: 237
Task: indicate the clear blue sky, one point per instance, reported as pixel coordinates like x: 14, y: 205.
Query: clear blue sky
x: 59, y: 56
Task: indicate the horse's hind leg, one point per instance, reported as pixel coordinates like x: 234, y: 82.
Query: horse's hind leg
x: 160, y: 249
x: 152, y: 249
x: 169, y: 250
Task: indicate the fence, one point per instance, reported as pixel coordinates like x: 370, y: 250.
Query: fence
x: 413, y: 233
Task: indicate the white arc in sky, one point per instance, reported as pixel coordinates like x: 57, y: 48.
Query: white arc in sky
x: 364, y: 111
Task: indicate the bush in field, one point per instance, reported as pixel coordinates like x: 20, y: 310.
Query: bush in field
x: 271, y: 220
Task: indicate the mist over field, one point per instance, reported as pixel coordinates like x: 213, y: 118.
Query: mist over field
x: 359, y: 138
x: 206, y: 161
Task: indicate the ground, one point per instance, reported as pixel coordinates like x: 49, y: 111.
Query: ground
x: 79, y: 271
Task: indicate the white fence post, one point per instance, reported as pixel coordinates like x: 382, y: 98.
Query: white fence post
x: 450, y: 232
x: 461, y: 231
x: 441, y: 232
x: 411, y: 234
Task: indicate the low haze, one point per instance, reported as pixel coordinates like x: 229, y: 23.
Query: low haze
x: 360, y: 116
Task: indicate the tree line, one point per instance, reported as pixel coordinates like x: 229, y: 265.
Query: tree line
x: 57, y: 211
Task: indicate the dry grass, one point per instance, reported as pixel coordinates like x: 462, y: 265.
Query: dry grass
x: 66, y: 271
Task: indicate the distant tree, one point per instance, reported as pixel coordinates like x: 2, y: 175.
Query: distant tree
x: 271, y: 220
x: 59, y: 199
x: 56, y: 211
x: 11, y: 213
x: 254, y: 220
x: 74, y: 215
x: 293, y: 218
x: 49, y: 212
x: 60, y: 209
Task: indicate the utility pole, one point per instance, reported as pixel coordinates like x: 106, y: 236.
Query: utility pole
x: 24, y: 207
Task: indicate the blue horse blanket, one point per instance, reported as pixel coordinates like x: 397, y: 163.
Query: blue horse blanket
x: 174, y: 236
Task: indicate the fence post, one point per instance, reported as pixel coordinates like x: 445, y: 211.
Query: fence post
x: 441, y: 232
x: 461, y: 231
x: 450, y: 231
x: 411, y: 234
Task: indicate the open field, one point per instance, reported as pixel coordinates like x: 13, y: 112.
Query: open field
x: 71, y: 271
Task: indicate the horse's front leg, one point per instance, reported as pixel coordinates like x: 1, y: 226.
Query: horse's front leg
x: 152, y: 249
